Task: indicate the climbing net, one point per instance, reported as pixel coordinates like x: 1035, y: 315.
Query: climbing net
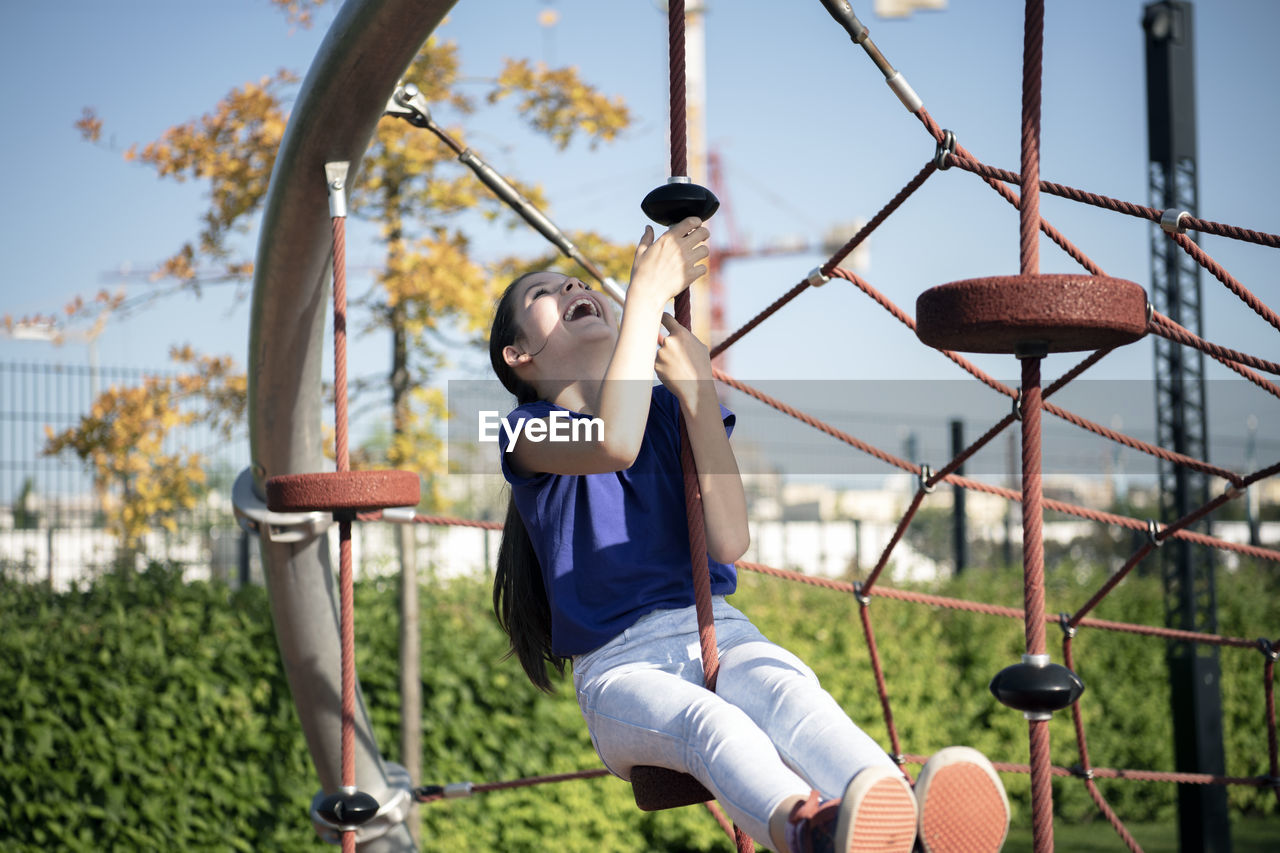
x: 1028, y: 403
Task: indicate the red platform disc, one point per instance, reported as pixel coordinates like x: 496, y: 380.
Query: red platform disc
x: 332, y: 491
x: 658, y: 788
x: 1025, y: 314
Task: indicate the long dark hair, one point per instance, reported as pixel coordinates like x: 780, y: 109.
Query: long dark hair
x: 519, y: 595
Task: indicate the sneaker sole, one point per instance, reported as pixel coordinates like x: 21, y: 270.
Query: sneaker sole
x: 963, y: 806
x: 877, y: 814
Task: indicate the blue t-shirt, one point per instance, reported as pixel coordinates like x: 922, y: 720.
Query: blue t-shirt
x: 613, y: 546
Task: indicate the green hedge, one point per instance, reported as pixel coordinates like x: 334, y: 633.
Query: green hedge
x: 145, y: 713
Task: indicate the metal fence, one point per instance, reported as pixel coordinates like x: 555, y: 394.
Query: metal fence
x: 51, y: 522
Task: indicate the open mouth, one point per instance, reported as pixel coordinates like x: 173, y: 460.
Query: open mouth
x: 579, y: 308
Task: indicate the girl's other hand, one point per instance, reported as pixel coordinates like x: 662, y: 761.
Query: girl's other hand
x: 683, y: 363
x: 667, y: 266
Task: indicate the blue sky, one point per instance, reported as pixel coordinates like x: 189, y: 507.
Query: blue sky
x: 809, y: 135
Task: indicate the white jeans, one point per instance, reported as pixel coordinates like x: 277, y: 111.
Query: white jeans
x: 768, y: 733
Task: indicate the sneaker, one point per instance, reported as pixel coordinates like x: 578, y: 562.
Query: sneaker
x: 877, y: 814
x: 963, y: 806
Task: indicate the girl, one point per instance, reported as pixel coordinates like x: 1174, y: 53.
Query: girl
x: 594, y: 569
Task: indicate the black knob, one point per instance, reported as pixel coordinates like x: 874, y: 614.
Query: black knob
x: 678, y: 199
x: 348, y: 808
x: 1036, y: 689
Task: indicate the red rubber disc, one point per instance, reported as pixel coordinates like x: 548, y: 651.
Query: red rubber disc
x: 333, y: 491
x: 1022, y: 314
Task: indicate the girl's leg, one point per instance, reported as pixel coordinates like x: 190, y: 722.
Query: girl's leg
x: 809, y: 729
x: 642, y: 697
x: 650, y: 716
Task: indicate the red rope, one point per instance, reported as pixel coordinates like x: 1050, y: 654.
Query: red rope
x: 840, y: 254
x: 1115, y: 205
x: 346, y: 586
x: 1167, y: 328
x: 1216, y: 270
x: 882, y: 688
x: 675, y: 76
x: 689, y: 468
x: 1086, y: 772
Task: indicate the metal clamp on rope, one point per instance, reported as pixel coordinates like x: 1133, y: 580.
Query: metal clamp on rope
x: 1171, y: 221
x: 1232, y: 491
x: 1269, y: 651
x: 1079, y: 771
x: 858, y: 595
x: 408, y: 103
x: 899, y: 759
x: 400, y: 514
x: 923, y: 479
x: 1153, y: 533
x: 942, y: 154
x: 1017, y: 405
x: 282, y: 527
x: 459, y: 790
x: 817, y: 277
x: 905, y: 93
x: 1064, y: 622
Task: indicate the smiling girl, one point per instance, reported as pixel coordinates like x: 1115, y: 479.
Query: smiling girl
x: 594, y: 569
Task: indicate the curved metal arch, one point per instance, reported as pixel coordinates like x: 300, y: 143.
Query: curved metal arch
x: 363, y: 55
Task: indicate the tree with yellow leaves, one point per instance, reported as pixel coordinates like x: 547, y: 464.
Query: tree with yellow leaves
x: 140, y: 483
x: 432, y: 283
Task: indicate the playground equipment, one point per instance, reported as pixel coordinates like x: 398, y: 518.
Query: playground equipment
x: 1029, y: 315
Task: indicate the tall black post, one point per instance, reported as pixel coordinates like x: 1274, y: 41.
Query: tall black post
x: 1181, y: 425
x: 958, y: 539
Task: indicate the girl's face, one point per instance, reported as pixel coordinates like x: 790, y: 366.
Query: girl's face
x: 558, y: 315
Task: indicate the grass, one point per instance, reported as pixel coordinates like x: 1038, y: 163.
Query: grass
x: 1248, y: 835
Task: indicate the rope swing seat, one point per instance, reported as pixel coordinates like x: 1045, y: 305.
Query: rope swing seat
x: 1029, y: 315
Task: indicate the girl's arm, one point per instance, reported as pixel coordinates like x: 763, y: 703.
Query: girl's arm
x: 662, y: 269
x: 684, y: 366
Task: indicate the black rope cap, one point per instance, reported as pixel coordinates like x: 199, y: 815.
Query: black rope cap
x: 1036, y: 689
x: 678, y: 199
x: 349, y: 808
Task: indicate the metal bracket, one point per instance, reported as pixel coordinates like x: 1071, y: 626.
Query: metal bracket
x: 923, y: 479
x: 1268, y: 649
x: 335, y: 177
x: 1064, y: 622
x: 862, y: 599
x: 283, y: 527
x: 394, y: 811
x: 408, y: 103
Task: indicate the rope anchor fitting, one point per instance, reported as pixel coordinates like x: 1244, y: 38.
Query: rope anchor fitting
x: 945, y: 148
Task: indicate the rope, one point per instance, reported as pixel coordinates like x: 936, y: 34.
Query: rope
x: 1167, y: 328
x: 1128, y: 208
x: 1086, y: 772
x: 1216, y: 270
x: 346, y: 585
x: 688, y: 465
